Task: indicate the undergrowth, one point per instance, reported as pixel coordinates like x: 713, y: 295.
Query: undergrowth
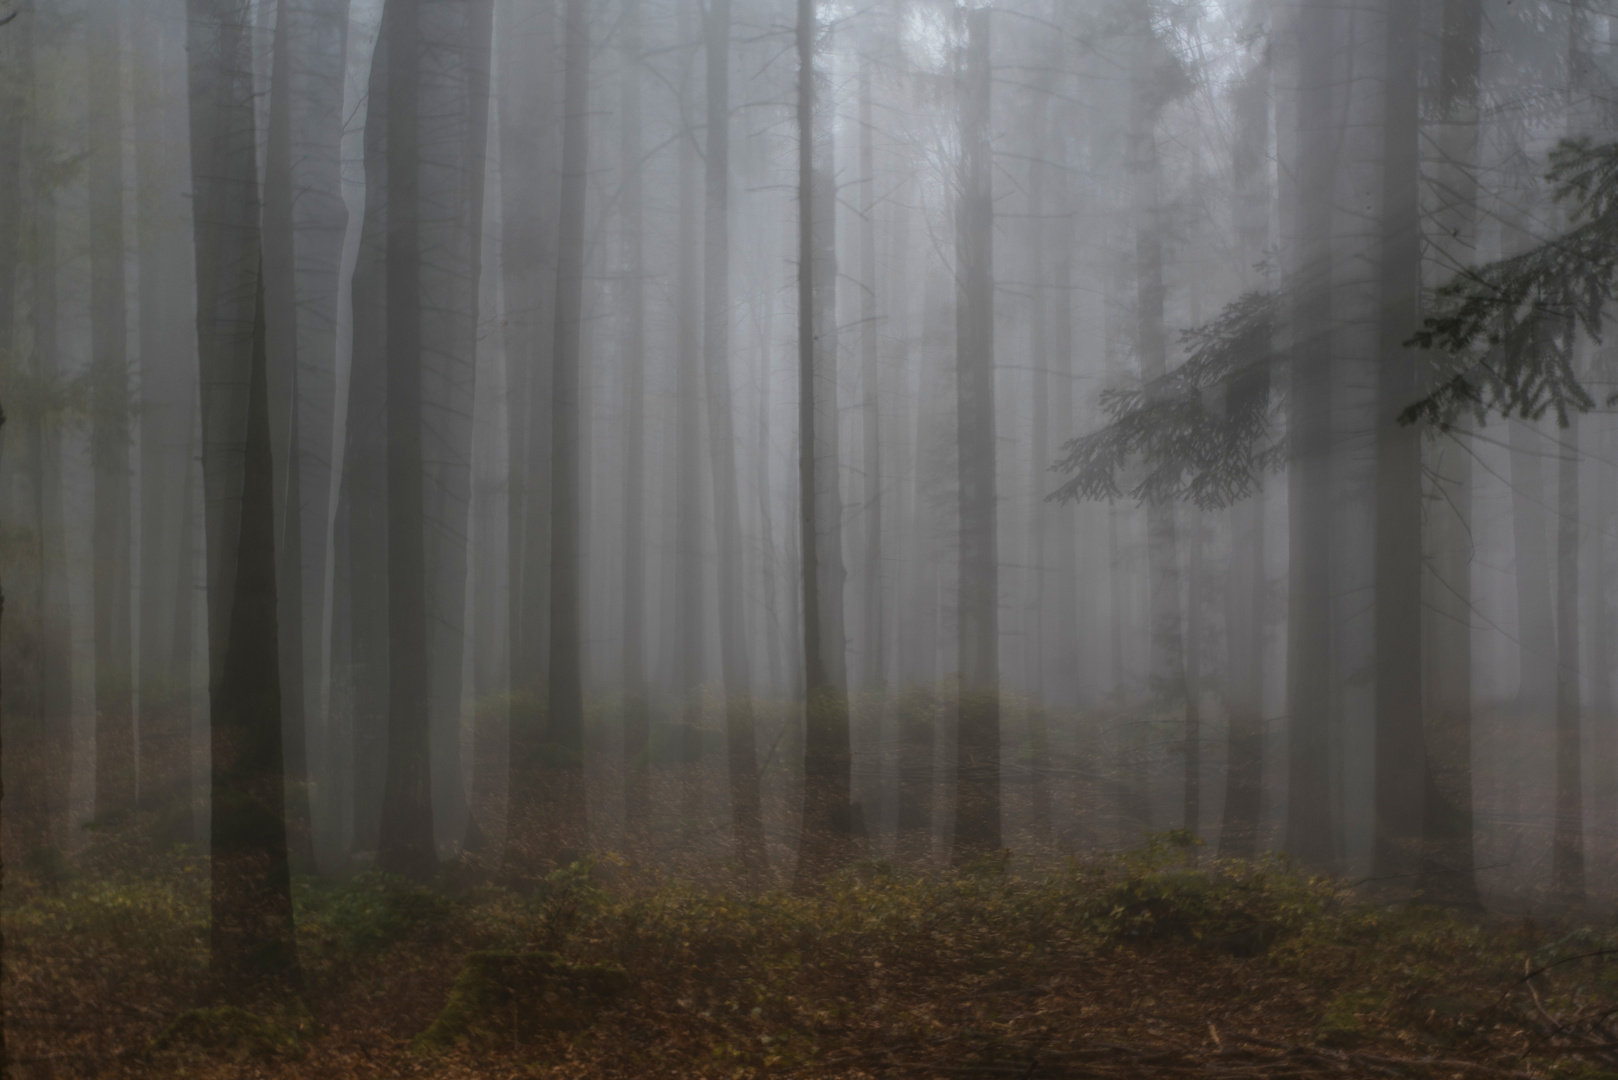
x: 1153, y: 945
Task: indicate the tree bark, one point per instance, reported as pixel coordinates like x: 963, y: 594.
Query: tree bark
x: 977, y: 785
x: 109, y: 406
x: 1401, y: 750
x: 826, y: 840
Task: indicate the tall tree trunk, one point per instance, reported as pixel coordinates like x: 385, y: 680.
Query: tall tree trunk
x: 405, y: 845
x: 1567, y: 843
x: 691, y: 627
x: 1447, y: 823
x: 109, y: 367
x: 1246, y: 586
x: 252, y: 945
x: 1166, y: 667
x: 281, y: 329
x: 827, y: 827
x: 565, y: 684
x: 167, y: 393
x: 873, y: 671
x: 1401, y: 753
x: 637, y: 795
x: 1310, y: 834
x: 746, y: 820
x: 529, y: 114
x: 977, y: 784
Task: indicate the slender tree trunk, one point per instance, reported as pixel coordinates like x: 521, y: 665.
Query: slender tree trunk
x: 252, y: 946
x: 109, y: 367
x: 280, y: 299
x: 827, y: 833
x: 1191, y: 788
x: 1567, y: 844
x: 1401, y: 752
x: 637, y: 796
x: 405, y: 845
x: 873, y: 669
x: 977, y: 785
x: 167, y: 391
x: 1037, y: 742
x: 1167, y: 664
x: 690, y: 625
x: 1447, y: 823
x: 565, y: 684
x: 1310, y: 834
x: 1246, y: 585
x: 747, y: 823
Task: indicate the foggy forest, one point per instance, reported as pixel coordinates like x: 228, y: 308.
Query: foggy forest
x: 842, y: 538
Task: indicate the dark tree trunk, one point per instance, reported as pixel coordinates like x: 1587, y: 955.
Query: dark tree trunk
x: 1567, y: 843
x: 977, y: 783
x: 746, y: 820
x: 1310, y: 832
x: 826, y: 842
x: 167, y: 402
x: 405, y: 843
x: 1401, y: 754
x: 109, y: 407
x: 252, y: 946
x: 1447, y: 823
x: 565, y: 700
x: 637, y: 796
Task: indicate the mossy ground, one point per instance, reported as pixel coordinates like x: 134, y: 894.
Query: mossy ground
x: 883, y: 973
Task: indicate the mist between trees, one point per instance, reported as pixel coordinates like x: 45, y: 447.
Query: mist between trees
x: 754, y: 436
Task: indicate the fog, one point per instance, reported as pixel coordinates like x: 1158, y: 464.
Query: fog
x: 755, y: 438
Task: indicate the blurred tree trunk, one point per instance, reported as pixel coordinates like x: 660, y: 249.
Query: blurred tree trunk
x: 691, y: 627
x: 530, y: 93
x: 405, y: 844
x: 252, y: 946
x: 109, y: 408
x: 873, y: 669
x: 637, y: 749
x: 1567, y: 844
x: 1036, y: 742
x: 977, y: 796
x: 1401, y: 752
x: 167, y: 401
x: 1246, y: 585
x: 1447, y: 823
x: 746, y: 820
x: 1166, y: 667
x: 281, y: 330
x: 1310, y: 832
x: 565, y: 699
x: 827, y: 828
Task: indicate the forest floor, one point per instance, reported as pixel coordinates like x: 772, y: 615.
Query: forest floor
x: 1137, y: 966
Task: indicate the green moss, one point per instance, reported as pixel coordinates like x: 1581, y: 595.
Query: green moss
x: 502, y: 998
x: 237, y: 1032
x: 1349, y: 1018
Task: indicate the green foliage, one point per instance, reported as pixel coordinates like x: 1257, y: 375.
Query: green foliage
x: 370, y: 913
x: 1232, y: 906
x: 1506, y: 331
x: 1201, y: 432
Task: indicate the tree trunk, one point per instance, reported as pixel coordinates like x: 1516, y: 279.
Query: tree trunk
x: 167, y: 400
x: 252, y: 945
x: 1310, y: 833
x: 826, y: 842
x: 637, y: 796
x: 1401, y: 754
x: 565, y: 698
x: 405, y: 845
x: 109, y: 407
x: 691, y: 627
x: 746, y: 822
x: 1567, y: 843
x: 977, y: 797
x: 1447, y: 823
